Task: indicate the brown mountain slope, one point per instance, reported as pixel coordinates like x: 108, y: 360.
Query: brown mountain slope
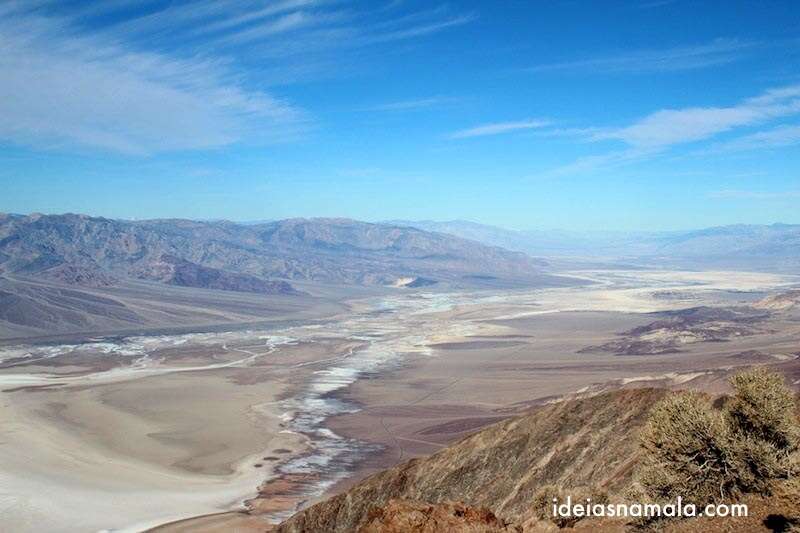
x: 589, y: 442
x: 417, y: 517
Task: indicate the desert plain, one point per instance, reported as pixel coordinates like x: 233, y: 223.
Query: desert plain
x: 192, y: 431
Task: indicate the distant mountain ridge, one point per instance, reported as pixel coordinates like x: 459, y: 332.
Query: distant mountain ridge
x: 770, y: 247
x: 251, y: 258
x: 544, y: 243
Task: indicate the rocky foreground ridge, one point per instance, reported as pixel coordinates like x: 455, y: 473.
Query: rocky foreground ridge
x: 588, y: 443
x: 491, y: 482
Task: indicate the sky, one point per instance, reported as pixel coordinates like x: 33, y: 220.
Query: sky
x: 638, y: 115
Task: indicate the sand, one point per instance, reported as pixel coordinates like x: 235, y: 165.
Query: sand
x: 124, y: 456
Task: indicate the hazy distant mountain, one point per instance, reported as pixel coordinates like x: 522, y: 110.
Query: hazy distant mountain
x: 543, y: 243
x: 770, y: 247
x: 773, y: 247
x: 251, y: 258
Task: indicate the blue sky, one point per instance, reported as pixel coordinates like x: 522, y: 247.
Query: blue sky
x: 651, y: 114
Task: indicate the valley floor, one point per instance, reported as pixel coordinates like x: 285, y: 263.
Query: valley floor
x: 126, y: 433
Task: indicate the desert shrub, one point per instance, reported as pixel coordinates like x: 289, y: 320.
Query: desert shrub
x: 703, y: 454
x: 762, y: 408
x: 758, y: 463
x: 761, y: 415
x: 689, y: 451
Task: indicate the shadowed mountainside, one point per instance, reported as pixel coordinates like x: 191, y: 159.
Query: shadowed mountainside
x: 176, y: 271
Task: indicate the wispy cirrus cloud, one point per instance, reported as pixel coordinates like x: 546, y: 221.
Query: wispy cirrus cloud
x: 60, y: 88
x: 162, y: 77
x: 412, y: 104
x: 717, y: 52
x: 662, y: 130
x: 255, y: 16
x: 420, y: 30
x: 287, y: 27
x: 498, y: 128
x: 778, y: 137
x: 677, y: 126
x: 607, y: 160
x: 284, y: 24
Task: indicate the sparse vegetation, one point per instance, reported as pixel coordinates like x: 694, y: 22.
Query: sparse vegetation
x: 688, y: 451
x: 763, y: 408
x: 707, y: 455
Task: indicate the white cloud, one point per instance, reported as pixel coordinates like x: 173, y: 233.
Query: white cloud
x: 498, y: 128
x: 409, y: 105
x: 776, y: 95
x: 656, y: 133
x: 255, y: 15
x: 283, y: 28
x: 773, y: 138
x: 675, y: 126
x: 62, y: 89
x: 420, y: 29
x: 157, y: 82
x: 283, y: 24
x: 607, y: 160
x: 717, y: 52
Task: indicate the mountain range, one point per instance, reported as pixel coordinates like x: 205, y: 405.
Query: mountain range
x: 265, y: 257
x: 773, y: 247
x: 65, y: 274
x: 78, y: 273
